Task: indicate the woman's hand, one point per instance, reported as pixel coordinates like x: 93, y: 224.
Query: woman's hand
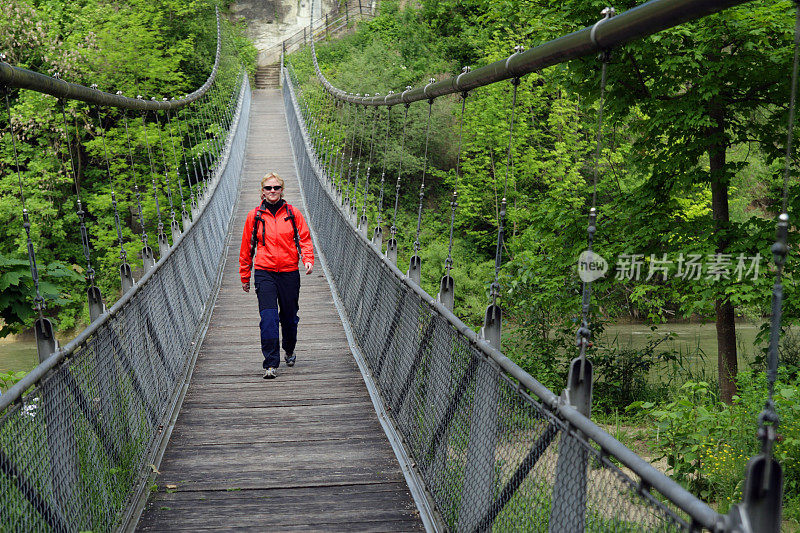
x: 246, y: 286
x: 309, y: 267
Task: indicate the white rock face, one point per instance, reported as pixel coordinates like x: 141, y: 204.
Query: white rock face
x: 270, y: 22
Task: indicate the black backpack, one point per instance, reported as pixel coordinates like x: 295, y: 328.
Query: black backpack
x: 254, y: 239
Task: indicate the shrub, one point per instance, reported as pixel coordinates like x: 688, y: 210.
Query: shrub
x: 707, y: 443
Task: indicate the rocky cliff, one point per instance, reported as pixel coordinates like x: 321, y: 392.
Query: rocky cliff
x: 269, y: 22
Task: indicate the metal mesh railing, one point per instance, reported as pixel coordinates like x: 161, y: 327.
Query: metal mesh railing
x: 490, y: 453
x: 78, y: 446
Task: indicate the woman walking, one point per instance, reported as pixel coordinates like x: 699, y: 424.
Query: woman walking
x: 274, y: 241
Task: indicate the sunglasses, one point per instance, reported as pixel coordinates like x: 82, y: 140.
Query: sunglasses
x: 272, y: 187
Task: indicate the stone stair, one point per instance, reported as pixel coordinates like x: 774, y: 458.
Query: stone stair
x: 268, y: 76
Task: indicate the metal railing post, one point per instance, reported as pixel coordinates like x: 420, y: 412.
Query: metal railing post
x: 762, y: 498
x: 415, y: 269
x: 477, y: 489
x: 96, y: 305
x: 568, y: 509
x: 446, y: 294
x: 59, y: 428
x: 126, y: 277
x: 476, y: 492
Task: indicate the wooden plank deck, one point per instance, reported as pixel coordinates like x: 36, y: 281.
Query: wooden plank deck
x: 302, y: 452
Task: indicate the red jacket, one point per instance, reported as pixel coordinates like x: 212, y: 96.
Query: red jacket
x: 275, y: 248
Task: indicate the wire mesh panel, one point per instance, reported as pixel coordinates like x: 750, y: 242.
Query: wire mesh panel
x: 491, y: 455
x: 77, y: 446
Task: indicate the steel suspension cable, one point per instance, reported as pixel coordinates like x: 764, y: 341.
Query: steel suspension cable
x: 185, y: 161
x: 584, y: 333
x: 213, y: 140
x: 331, y: 106
x: 393, y: 229
x: 379, y: 217
x: 87, y: 254
x: 224, y: 111
x: 195, y: 140
x: 161, y: 235
x: 768, y: 418
x: 448, y: 263
x: 133, y: 177
x: 123, y: 255
x: 38, y: 300
x: 325, y: 142
x: 315, y: 122
x: 424, y: 169
x: 25, y: 79
x: 340, y: 174
x: 354, y: 200
x: 184, y: 214
x: 216, y: 127
x: 498, y: 257
x: 166, y: 169
x: 350, y: 164
x: 369, y: 164
x: 208, y: 149
x: 219, y: 117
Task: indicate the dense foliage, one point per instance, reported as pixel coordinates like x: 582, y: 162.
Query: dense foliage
x: 689, y: 175
x: 156, y: 49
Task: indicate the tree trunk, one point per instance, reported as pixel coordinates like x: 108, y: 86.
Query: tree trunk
x: 726, y: 326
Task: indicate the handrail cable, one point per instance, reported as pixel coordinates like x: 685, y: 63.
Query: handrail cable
x: 28, y: 79
x: 640, y: 21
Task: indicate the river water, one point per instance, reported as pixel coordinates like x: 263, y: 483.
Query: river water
x: 695, y: 343
x: 17, y: 354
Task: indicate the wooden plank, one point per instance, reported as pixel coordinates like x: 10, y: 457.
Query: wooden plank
x: 303, y: 452
x: 293, y: 508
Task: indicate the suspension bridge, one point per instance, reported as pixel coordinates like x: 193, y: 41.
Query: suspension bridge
x: 397, y: 415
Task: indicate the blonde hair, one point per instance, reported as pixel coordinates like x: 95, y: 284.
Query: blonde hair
x: 272, y: 175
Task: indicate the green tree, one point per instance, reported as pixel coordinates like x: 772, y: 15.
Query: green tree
x: 700, y: 89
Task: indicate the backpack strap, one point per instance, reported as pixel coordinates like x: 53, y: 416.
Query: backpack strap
x: 294, y: 227
x: 254, y: 237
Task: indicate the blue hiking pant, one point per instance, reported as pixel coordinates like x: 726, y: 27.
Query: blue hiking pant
x: 278, y: 293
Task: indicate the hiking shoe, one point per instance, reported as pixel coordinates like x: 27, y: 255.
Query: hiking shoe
x: 290, y: 358
x: 270, y: 373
